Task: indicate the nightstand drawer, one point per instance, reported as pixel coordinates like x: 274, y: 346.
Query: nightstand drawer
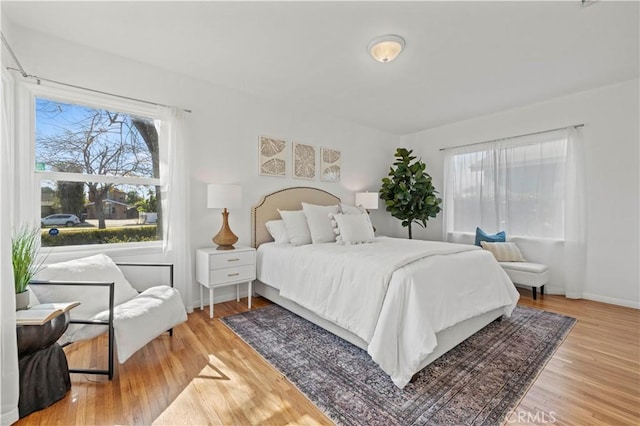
x: 231, y: 260
x: 226, y: 275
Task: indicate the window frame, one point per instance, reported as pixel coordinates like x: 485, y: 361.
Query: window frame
x: 29, y: 179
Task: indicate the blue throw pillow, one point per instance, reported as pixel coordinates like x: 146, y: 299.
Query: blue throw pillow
x: 499, y: 237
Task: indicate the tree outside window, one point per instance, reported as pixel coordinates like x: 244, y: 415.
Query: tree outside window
x: 100, y: 165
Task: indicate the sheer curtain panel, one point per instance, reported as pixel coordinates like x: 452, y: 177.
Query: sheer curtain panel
x: 575, y: 233
x: 8, y: 347
x: 529, y: 186
x: 176, y: 202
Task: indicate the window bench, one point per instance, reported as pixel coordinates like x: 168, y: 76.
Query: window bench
x: 534, y: 275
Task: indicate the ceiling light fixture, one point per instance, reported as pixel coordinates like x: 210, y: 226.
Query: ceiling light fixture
x: 386, y: 48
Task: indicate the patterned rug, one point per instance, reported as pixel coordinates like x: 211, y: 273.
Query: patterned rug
x: 476, y: 383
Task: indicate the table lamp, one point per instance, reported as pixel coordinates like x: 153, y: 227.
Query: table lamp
x: 368, y: 200
x: 224, y: 197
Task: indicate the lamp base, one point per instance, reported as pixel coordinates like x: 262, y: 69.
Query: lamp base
x: 225, y: 239
x: 369, y: 213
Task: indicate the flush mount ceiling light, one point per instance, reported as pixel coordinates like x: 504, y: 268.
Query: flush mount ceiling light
x: 386, y: 48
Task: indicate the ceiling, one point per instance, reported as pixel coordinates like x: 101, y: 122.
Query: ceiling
x: 462, y: 59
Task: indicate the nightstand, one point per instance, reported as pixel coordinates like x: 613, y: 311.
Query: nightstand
x: 219, y: 268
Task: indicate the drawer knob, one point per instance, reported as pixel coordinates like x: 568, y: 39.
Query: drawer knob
x: 233, y: 260
x: 233, y: 275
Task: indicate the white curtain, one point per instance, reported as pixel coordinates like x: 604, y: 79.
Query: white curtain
x: 9, y: 351
x: 174, y: 172
x: 530, y: 186
x: 516, y: 185
x: 575, y: 228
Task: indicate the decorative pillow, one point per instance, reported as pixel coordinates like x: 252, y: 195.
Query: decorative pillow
x: 504, y: 252
x: 319, y: 222
x: 295, y: 223
x: 499, y: 237
x: 347, y: 209
x: 353, y: 228
x: 278, y: 231
x: 92, y: 299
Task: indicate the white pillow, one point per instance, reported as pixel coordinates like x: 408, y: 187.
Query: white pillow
x: 504, y: 252
x: 347, y: 209
x: 278, y: 231
x: 353, y: 228
x: 319, y: 221
x: 295, y: 223
x: 92, y: 299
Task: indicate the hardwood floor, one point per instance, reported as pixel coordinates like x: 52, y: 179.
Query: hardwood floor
x: 205, y: 374
x: 594, y: 376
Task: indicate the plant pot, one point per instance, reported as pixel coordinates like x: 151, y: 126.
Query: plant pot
x: 22, y: 300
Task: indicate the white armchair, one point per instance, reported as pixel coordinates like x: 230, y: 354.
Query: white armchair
x: 131, y: 315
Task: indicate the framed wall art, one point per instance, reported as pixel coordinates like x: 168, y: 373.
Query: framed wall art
x: 304, y: 161
x: 273, y: 157
x: 330, y: 167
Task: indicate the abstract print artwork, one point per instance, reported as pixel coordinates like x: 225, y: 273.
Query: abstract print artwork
x: 304, y: 161
x: 273, y: 157
x: 329, y: 165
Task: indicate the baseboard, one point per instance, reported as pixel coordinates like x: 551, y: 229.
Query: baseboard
x: 10, y: 417
x: 588, y: 296
x: 547, y: 289
x: 553, y: 290
x: 611, y: 300
x: 217, y: 298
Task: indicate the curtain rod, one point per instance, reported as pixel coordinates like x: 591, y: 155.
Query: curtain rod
x: 24, y: 74
x: 511, y: 137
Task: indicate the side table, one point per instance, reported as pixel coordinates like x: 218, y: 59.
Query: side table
x: 44, y: 372
x: 218, y: 268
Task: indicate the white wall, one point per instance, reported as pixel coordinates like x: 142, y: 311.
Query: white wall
x: 611, y: 137
x: 224, y: 128
x: 223, y: 131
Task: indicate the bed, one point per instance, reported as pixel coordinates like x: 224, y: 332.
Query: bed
x: 406, y: 302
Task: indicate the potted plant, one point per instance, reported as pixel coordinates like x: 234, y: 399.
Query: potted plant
x: 408, y: 192
x: 24, y: 251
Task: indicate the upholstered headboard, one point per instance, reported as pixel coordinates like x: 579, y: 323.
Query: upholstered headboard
x: 285, y: 199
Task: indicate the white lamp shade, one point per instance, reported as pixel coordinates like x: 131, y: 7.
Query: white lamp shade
x: 368, y: 200
x: 224, y: 196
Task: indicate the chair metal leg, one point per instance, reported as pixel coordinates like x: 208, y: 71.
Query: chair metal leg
x: 111, y: 349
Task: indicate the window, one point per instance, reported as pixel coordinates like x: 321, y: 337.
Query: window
x: 517, y: 185
x: 98, y: 171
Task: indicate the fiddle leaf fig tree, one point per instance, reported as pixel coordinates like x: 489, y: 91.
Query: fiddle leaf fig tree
x: 408, y: 192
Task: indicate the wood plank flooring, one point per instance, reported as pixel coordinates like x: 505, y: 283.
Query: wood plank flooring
x: 205, y: 374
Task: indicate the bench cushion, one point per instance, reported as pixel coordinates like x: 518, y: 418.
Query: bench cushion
x: 527, y: 273
x: 534, y: 268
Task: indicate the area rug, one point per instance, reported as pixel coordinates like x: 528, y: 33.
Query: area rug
x: 476, y: 383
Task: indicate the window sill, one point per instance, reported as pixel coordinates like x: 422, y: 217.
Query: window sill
x: 58, y: 254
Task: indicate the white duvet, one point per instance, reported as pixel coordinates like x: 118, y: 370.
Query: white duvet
x: 395, y: 294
